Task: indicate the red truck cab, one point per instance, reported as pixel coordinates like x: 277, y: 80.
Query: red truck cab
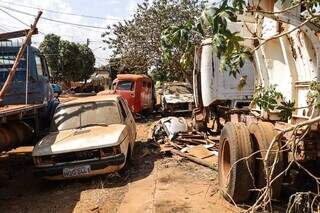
x: 137, y: 90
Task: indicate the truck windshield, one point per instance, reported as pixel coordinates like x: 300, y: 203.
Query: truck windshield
x: 177, y: 89
x: 6, y: 63
x: 125, y: 85
x: 85, y: 114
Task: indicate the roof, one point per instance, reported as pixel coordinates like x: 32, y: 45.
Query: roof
x: 100, y: 74
x: 14, y: 48
x: 131, y: 77
x: 94, y: 98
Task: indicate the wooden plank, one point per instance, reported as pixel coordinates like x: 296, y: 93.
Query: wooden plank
x: 16, y: 109
x: 199, y: 151
x: 21, y: 150
x: 211, y: 165
x: 16, y: 34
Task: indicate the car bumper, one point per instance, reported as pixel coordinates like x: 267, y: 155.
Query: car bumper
x: 102, y: 166
x: 179, y: 107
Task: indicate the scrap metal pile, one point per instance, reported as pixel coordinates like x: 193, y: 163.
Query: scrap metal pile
x: 175, y: 136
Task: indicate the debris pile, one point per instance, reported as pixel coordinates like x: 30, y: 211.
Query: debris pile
x: 174, y: 135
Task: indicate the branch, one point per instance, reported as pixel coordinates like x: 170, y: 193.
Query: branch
x: 275, y: 12
x: 285, y: 33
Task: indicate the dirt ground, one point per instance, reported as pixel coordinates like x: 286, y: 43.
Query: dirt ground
x: 154, y: 183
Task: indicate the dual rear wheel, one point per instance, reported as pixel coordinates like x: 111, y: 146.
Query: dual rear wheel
x: 240, y: 162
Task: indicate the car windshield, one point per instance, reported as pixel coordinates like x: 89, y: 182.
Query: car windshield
x: 85, y: 114
x: 177, y: 89
x: 125, y: 85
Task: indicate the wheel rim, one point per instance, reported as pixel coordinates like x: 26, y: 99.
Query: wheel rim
x: 226, y: 165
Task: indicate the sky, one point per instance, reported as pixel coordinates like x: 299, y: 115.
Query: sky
x: 111, y: 12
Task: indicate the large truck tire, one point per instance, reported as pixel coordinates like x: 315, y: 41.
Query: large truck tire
x: 7, y: 138
x: 15, y: 134
x: 262, y: 135
x: 236, y: 177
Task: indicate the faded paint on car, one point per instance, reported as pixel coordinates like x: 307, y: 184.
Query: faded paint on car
x: 102, y: 147
x: 137, y: 90
x: 81, y: 139
x: 177, y: 97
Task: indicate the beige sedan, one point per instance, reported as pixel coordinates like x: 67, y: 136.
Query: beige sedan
x: 89, y: 136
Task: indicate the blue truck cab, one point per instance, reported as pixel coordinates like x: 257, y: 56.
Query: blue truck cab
x: 31, y: 84
x: 39, y: 90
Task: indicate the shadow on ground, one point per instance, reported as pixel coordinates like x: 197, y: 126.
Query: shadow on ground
x: 20, y: 191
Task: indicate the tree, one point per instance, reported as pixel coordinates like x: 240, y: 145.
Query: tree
x: 49, y: 47
x: 87, y: 62
x: 137, y: 42
x: 71, y: 61
x: 213, y: 23
x: 114, y: 65
x: 68, y: 61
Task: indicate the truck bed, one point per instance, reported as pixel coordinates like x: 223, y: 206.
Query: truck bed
x: 19, y: 110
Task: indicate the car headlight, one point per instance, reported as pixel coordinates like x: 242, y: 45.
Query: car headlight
x: 42, y: 160
x: 37, y: 160
x: 109, y: 151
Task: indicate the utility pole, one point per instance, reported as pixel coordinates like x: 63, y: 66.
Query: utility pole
x: 88, y: 42
x: 13, y: 70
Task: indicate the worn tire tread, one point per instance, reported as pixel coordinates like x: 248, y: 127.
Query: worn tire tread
x: 240, y: 181
x: 264, y: 133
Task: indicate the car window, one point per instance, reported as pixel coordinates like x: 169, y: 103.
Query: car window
x: 84, y: 114
x: 40, y: 69
x: 125, y: 85
x: 125, y: 105
x: 7, y: 60
x: 122, y: 109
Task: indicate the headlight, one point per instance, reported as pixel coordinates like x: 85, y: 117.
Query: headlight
x: 109, y: 151
x: 37, y: 160
x: 42, y: 160
x: 116, y: 150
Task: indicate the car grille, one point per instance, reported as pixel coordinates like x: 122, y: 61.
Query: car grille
x: 181, y: 106
x: 70, y: 157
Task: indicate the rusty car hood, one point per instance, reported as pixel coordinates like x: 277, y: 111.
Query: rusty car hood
x: 179, y: 98
x: 81, y: 139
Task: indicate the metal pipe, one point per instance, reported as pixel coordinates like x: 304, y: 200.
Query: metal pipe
x: 27, y: 74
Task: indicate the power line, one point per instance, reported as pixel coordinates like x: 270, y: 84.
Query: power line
x: 64, y: 13
x: 15, y: 18
x: 74, y: 24
x: 19, y: 20
x: 4, y: 29
x: 53, y: 20
x: 15, y: 27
